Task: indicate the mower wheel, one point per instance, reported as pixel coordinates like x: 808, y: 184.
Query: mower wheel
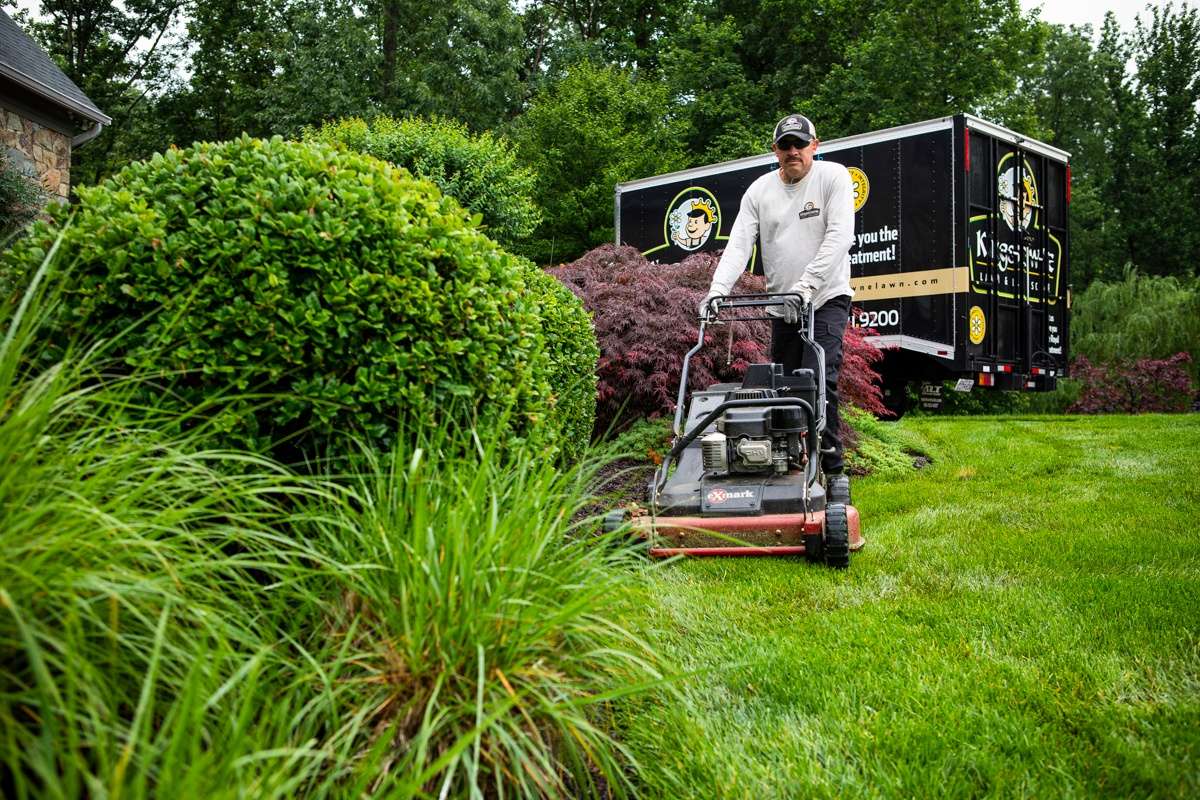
x: 613, y: 520
x: 837, y: 489
x: 814, y: 547
x: 837, y: 536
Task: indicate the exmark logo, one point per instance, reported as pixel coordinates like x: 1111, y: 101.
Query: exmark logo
x: 718, y: 496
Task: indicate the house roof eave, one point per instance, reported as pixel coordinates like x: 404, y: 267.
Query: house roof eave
x: 90, y: 113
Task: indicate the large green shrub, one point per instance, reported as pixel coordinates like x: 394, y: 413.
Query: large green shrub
x: 343, y: 290
x: 571, y: 356
x: 1140, y: 316
x: 480, y: 172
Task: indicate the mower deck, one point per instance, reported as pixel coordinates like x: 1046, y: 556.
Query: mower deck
x: 761, y: 535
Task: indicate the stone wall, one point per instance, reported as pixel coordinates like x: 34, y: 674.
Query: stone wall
x: 38, y: 150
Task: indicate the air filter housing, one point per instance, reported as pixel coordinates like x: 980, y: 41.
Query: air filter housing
x: 715, y: 453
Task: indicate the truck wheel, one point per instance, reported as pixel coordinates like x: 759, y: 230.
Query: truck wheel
x: 837, y: 489
x: 895, y: 399
x: 837, y: 536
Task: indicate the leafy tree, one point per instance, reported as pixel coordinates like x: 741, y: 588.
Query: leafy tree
x: 582, y: 135
x: 451, y: 59
x: 273, y: 67
x: 479, y: 171
x: 1166, y: 49
x: 121, y: 56
x: 1071, y: 102
x: 919, y: 59
x: 727, y: 114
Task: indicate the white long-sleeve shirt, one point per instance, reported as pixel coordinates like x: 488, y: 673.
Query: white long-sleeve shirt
x: 805, y: 230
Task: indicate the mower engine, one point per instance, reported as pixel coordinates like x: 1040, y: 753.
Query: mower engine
x: 755, y: 440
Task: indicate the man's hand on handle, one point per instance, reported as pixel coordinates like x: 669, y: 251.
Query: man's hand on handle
x: 793, y: 306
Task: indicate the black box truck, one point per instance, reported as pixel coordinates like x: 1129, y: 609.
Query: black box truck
x: 961, y: 259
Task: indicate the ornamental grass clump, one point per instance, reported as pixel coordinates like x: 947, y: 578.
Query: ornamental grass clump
x: 180, y: 621
x: 331, y: 292
x: 482, y: 624
x: 149, y: 602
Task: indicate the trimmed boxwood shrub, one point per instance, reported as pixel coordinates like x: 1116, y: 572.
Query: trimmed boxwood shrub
x: 572, y: 352
x: 480, y: 171
x: 349, y: 292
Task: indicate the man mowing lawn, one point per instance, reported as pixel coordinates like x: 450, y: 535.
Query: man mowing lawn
x: 803, y: 214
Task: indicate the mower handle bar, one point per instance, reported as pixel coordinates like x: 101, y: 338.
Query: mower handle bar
x: 715, y: 304
x: 753, y: 301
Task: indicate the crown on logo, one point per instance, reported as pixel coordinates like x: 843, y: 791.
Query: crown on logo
x: 703, y: 205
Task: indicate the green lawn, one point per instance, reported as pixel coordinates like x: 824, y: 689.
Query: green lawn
x: 1024, y: 621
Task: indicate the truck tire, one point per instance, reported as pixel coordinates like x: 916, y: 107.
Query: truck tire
x: 837, y: 536
x: 895, y: 398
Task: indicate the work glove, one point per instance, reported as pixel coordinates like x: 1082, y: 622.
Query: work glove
x: 793, y: 306
x: 705, y: 312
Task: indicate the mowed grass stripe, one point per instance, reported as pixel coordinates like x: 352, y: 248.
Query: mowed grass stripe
x: 1025, y: 621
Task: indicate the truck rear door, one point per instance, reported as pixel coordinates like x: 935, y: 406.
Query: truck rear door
x: 1015, y: 324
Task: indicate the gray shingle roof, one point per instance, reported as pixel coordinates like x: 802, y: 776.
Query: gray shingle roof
x: 23, y: 61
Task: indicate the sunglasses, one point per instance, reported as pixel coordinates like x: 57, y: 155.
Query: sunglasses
x: 792, y: 142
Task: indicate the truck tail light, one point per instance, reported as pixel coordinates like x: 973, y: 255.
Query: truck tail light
x: 1068, y: 184
x: 967, y: 158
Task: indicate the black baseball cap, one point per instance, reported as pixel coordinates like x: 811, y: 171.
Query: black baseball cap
x: 796, y: 125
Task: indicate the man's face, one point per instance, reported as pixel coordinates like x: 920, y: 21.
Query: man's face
x: 795, y: 156
x: 697, y: 226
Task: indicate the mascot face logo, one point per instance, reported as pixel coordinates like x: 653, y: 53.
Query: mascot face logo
x: 692, y: 221
x: 1014, y: 197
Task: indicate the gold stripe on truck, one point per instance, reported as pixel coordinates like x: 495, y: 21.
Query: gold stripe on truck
x: 950, y: 280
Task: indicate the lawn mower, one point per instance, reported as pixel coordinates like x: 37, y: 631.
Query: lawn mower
x: 743, y: 476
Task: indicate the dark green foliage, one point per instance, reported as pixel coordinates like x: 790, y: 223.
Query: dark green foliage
x: 727, y: 114
x: 979, y: 400
x: 582, y: 135
x: 1140, y: 316
x: 910, y: 64
x: 480, y: 172
x: 345, y: 291
x: 571, y: 355
x: 1130, y: 133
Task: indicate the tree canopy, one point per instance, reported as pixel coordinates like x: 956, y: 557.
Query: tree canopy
x: 595, y: 91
